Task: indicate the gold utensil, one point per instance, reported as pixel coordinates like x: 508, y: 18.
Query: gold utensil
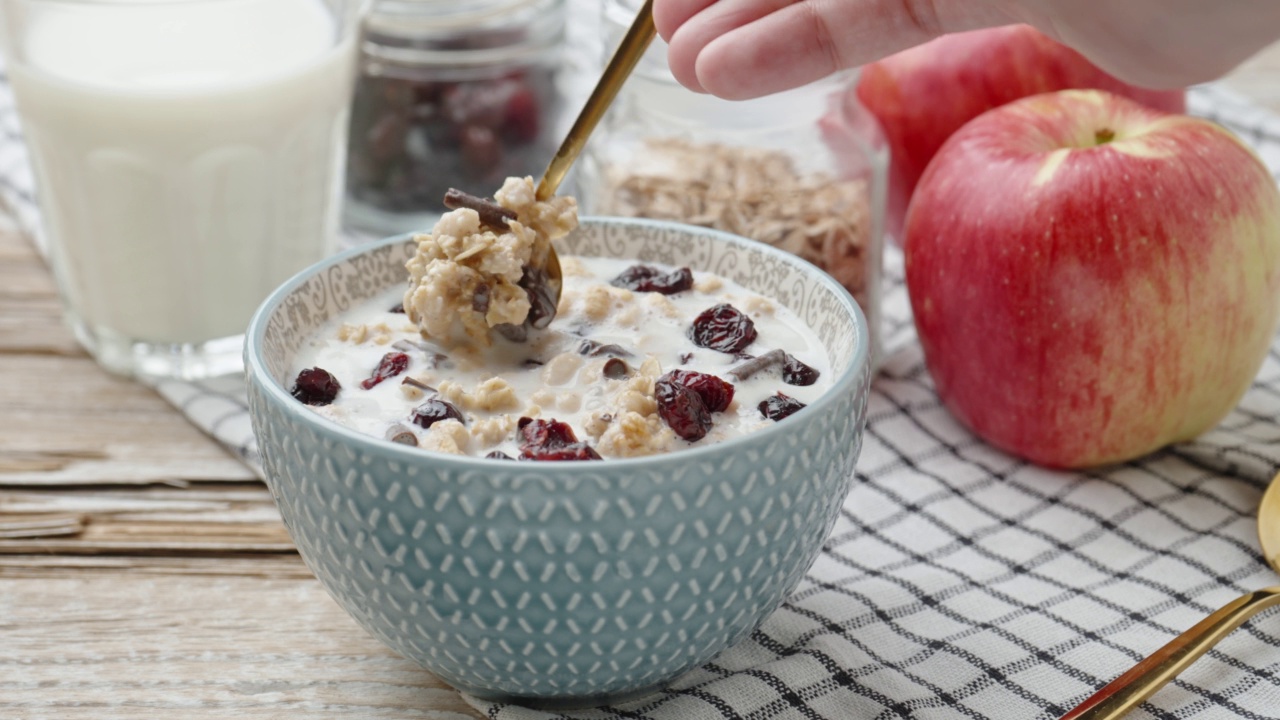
x: 630, y: 50
x: 1142, y: 681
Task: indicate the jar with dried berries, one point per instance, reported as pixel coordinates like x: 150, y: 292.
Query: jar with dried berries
x: 804, y: 170
x: 451, y: 93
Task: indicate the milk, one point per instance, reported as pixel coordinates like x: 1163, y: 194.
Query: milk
x: 571, y: 392
x: 187, y: 155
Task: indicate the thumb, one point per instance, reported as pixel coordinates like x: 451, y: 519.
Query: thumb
x: 739, y: 49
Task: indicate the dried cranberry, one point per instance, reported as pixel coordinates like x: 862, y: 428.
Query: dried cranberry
x: 545, y: 433
x: 682, y: 409
x: 795, y: 372
x: 391, y: 365
x: 723, y: 328
x: 477, y: 104
x: 522, y: 123
x: 433, y: 411
x: 315, y: 386
x: 646, y: 278
x: 481, y: 151
x: 551, y: 440
x: 715, y: 393
x: 779, y: 406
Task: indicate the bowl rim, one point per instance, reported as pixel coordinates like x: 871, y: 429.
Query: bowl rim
x: 255, y: 364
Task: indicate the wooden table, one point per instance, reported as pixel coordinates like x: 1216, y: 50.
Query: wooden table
x: 144, y: 572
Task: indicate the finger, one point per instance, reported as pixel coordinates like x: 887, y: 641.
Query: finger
x: 669, y: 15
x: 716, y: 19
x: 810, y: 39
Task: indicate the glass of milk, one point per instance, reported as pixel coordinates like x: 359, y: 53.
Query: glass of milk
x: 188, y: 157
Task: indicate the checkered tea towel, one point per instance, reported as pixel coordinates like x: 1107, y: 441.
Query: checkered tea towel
x: 960, y: 582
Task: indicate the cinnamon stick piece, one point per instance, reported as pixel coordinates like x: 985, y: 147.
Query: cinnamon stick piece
x: 491, y: 213
x: 756, y: 364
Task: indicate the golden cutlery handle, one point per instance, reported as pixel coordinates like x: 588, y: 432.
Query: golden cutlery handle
x: 624, y: 60
x: 1142, y: 680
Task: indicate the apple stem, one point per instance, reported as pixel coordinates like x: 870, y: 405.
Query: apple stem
x: 1104, y: 136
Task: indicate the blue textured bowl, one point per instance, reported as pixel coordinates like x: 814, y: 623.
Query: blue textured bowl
x: 561, y: 583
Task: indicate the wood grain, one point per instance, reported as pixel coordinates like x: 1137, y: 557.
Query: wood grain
x: 107, y: 643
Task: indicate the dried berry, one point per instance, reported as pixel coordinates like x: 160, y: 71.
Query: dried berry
x: 522, y: 120
x: 616, y: 368
x: 481, y: 151
x: 682, y: 409
x: 499, y: 455
x: 544, y: 432
x: 315, y: 386
x: 551, y: 440
x: 646, y: 278
x: 391, y: 365
x: 433, y: 411
x: 723, y: 328
x: 778, y: 406
x: 795, y: 372
x: 594, y: 349
x: 715, y: 393
x: 542, y: 297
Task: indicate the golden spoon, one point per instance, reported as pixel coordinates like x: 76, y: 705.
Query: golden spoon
x: 1143, y: 680
x: 630, y: 50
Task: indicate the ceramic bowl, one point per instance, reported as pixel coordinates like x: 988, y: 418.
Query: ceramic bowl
x: 561, y: 583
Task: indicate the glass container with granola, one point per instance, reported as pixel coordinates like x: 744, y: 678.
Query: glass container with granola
x: 804, y: 170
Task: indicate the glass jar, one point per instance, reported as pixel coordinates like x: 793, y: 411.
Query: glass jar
x: 451, y: 93
x: 803, y: 170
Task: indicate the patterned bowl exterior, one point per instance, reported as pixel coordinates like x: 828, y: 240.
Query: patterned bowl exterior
x: 561, y: 583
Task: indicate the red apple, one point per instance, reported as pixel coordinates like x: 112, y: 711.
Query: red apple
x: 922, y: 95
x: 1092, y: 279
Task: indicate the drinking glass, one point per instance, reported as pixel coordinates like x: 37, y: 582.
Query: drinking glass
x: 188, y: 157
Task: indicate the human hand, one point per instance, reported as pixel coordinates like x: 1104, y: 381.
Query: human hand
x: 740, y: 49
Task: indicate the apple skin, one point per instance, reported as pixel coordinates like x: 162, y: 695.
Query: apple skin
x: 922, y: 95
x: 1081, y: 304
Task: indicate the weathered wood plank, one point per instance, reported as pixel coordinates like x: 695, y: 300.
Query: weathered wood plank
x: 61, y: 567
x: 104, y: 644
x: 202, y: 519
x: 30, y: 312
x: 69, y: 422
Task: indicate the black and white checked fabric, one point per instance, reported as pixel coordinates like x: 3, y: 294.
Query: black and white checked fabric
x: 960, y: 582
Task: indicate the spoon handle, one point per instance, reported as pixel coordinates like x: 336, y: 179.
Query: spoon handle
x: 1142, y: 680
x: 629, y: 52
